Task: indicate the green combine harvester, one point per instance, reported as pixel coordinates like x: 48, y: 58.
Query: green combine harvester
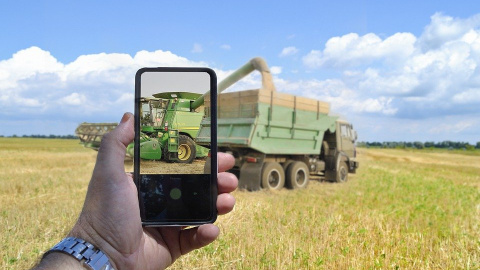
x: 169, y: 125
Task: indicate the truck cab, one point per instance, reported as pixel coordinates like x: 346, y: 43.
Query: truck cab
x: 339, y: 152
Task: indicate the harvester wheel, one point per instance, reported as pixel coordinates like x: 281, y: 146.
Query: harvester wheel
x: 297, y: 175
x: 342, y: 173
x: 166, y: 155
x: 186, y: 149
x: 273, y: 176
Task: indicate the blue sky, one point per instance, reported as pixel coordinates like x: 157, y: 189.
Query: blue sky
x: 404, y: 70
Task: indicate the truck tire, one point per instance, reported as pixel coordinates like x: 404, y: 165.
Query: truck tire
x: 342, y: 172
x: 186, y: 149
x: 325, y: 150
x: 297, y: 175
x: 273, y: 176
x: 286, y: 164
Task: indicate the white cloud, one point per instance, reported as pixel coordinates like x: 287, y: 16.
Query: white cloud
x: 162, y: 59
x: 275, y: 70
x: 26, y: 64
x: 405, y: 76
x: 95, y: 88
x: 352, y: 50
x: 342, y: 98
x: 469, y: 96
x: 443, y: 29
x: 197, y: 48
x: 288, y: 51
x: 74, y: 99
x: 225, y: 47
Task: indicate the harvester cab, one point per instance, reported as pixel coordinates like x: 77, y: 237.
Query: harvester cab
x: 152, y: 112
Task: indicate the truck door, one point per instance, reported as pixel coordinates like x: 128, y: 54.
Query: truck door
x: 346, y: 139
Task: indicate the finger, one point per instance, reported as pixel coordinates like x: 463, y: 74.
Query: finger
x: 197, y: 237
x: 227, y: 182
x: 225, y: 161
x: 112, y: 149
x: 225, y: 203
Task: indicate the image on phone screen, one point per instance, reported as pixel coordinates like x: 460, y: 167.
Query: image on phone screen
x: 175, y: 145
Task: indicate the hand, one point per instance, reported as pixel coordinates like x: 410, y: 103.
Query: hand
x: 110, y: 218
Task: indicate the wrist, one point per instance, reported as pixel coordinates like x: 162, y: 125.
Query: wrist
x: 84, y: 253
x: 90, y: 236
x: 58, y: 260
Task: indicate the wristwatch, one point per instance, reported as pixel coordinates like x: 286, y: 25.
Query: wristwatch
x: 91, y: 257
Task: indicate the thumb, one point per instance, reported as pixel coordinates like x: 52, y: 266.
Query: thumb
x: 111, y: 154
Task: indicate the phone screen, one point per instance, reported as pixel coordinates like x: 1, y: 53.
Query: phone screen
x: 175, y: 135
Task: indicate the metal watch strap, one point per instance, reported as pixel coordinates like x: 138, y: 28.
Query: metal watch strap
x: 83, y: 251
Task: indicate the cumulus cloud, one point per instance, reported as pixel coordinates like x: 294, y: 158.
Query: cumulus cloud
x: 406, y: 76
x: 94, y: 88
x: 352, y: 50
x: 74, y: 99
x: 468, y: 96
x: 276, y: 70
x: 288, y: 51
x: 25, y: 64
x: 443, y: 29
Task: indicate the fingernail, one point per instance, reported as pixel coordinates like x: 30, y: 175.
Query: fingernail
x: 125, y: 118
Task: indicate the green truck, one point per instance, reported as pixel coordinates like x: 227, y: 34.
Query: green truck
x: 279, y: 139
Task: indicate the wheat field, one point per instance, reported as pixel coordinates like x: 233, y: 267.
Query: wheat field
x: 404, y: 209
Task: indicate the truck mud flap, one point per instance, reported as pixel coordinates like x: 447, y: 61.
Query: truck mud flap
x: 250, y: 175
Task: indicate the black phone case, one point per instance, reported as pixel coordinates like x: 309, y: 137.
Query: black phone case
x: 212, y: 216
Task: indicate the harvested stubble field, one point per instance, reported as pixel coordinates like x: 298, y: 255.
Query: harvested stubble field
x: 404, y: 209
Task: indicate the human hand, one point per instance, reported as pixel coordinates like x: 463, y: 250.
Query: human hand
x: 110, y: 218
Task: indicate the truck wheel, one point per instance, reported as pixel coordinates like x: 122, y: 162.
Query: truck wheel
x: 273, y: 176
x: 286, y: 164
x: 342, y: 173
x: 325, y: 150
x: 186, y: 149
x: 297, y: 175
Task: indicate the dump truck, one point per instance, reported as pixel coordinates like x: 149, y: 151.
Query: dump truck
x: 279, y: 139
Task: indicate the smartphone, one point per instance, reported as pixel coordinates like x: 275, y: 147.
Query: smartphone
x: 175, y: 132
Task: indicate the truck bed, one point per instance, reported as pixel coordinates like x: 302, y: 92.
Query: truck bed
x: 272, y: 122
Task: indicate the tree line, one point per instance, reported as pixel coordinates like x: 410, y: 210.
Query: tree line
x: 51, y: 136
x: 421, y: 145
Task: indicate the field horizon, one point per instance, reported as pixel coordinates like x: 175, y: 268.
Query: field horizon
x: 404, y: 209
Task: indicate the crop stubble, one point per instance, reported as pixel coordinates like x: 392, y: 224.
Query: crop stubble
x: 404, y: 209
